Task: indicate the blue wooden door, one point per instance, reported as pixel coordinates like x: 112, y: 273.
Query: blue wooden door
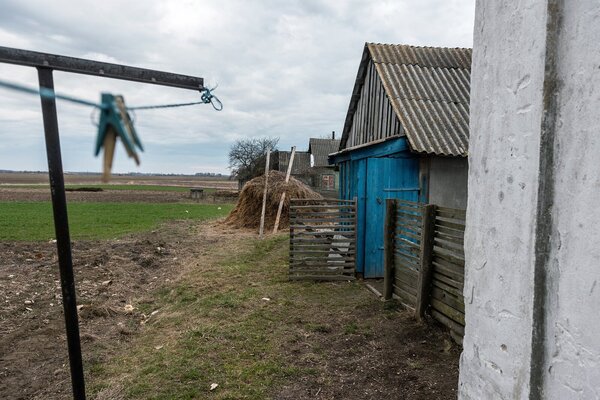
x: 387, y: 178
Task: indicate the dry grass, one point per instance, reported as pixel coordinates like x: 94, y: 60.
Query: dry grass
x: 246, y: 213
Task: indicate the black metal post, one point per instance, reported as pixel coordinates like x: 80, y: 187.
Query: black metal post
x: 63, y: 240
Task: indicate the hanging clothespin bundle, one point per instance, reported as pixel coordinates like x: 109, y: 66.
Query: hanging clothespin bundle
x: 115, y: 122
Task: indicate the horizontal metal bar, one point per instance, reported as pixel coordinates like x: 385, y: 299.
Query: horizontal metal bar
x: 97, y: 68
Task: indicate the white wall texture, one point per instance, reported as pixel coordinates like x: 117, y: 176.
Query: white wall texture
x: 506, y: 114
x: 506, y: 92
x: 573, y: 328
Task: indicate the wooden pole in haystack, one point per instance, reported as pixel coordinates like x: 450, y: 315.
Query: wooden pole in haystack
x: 287, y: 179
x: 264, y: 204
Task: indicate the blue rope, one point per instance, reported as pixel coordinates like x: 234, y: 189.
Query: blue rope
x: 206, y: 98
x: 48, y: 94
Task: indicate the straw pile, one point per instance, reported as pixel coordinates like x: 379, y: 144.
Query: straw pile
x: 246, y: 213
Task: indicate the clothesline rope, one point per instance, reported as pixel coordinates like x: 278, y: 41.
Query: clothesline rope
x: 206, y: 97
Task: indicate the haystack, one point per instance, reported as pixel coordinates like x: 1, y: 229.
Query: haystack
x: 246, y: 213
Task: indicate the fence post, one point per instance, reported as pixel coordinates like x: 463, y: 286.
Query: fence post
x: 425, y: 267
x: 292, y: 236
x: 264, y: 202
x: 355, y: 202
x: 388, y: 244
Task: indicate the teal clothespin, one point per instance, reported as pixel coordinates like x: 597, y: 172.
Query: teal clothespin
x: 115, y: 122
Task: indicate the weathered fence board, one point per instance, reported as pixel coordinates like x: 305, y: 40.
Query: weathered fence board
x: 425, y: 260
x: 448, y: 261
x: 425, y: 255
x: 322, y: 239
x: 402, y: 245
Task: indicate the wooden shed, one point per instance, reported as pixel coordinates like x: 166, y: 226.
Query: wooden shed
x: 405, y: 136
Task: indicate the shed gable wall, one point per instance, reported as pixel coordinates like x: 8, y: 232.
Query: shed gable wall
x: 374, y: 118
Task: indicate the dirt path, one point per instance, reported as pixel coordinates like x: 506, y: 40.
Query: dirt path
x: 210, y: 305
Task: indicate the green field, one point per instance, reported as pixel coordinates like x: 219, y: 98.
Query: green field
x: 158, y: 188
x: 29, y: 221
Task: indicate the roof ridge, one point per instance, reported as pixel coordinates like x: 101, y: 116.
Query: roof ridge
x: 418, y: 47
x: 414, y: 64
x: 427, y: 100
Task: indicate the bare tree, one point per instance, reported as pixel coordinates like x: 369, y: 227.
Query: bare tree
x: 247, y: 157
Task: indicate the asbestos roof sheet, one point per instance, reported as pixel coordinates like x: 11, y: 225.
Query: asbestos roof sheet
x: 429, y: 91
x: 428, y: 57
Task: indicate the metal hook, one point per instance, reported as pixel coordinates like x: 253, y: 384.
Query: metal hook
x: 207, y: 97
x: 216, y: 103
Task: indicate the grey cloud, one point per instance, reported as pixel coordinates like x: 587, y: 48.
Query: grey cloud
x: 284, y: 68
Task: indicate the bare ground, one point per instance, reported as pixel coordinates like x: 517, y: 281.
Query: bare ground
x: 396, y: 359
x: 116, y: 196
x: 88, y: 179
x: 110, y: 275
x: 354, y: 348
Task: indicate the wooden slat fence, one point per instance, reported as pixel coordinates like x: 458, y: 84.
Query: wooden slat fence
x: 322, y: 239
x: 448, y: 264
x: 426, y: 271
x: 406, y: 244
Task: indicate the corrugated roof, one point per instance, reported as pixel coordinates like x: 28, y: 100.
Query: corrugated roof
x: 321, y: 149
x: 429, y: 57
x: 429, y: 91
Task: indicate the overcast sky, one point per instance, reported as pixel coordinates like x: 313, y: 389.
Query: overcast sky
x: 284, y: 68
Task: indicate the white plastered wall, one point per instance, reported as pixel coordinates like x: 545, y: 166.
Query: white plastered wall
x: 507, y: 107
x: 573, y: 321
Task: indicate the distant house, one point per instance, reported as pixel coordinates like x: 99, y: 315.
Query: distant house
x: 405, y: 136
x: 324, y: 176
x: 311, y: 167
x: 300, y: 167
x: 281, y: 159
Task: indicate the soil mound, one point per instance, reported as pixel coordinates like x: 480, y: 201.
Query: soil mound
x: 246, y: 213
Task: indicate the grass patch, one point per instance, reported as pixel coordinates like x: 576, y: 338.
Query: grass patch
x: 224, y: 323
x: 32, y: 221
x: 351, y: 328
x: 156, y: 188
x: 319, y: 328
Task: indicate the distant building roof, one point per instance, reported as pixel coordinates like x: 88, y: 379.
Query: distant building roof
x: 321, y: 148
x: 429, y: 91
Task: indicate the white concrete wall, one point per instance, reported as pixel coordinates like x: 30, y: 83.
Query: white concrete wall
x: 506, y: 117
x: 506, y: 90
x: 573, y: 352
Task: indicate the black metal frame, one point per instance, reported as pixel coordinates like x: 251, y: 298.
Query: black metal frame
x: 45, y: 64
x: 106, y: 70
